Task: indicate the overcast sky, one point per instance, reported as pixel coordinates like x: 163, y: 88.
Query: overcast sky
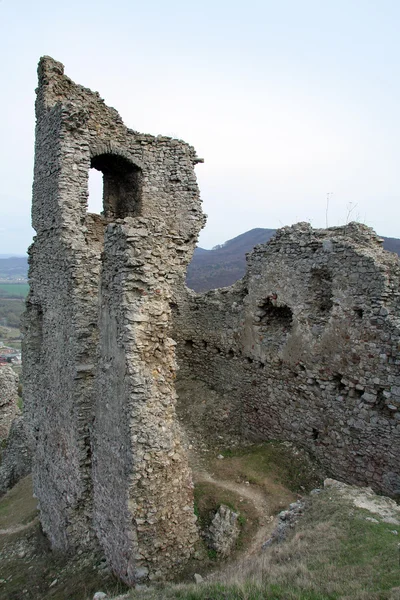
x: 286, y: 100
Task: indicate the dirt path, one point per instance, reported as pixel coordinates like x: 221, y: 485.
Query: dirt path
x: 18, y: 528
x: 255, y: 496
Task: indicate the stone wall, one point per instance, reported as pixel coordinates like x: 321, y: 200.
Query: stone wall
x: 305, y: 348
x: 98, y: 362
x: 8, y: 400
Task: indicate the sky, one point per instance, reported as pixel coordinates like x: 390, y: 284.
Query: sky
x: 287, y: 101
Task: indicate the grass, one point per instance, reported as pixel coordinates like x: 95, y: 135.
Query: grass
x: 278, y: 469
x: 334, y: 554
x: 208, y: 498
x: 28, y: 567
x: 18, y: 506
x: 14, y: 290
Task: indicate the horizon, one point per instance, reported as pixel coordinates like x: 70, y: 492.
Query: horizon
x: 294, y: 108
x: 216, y: 246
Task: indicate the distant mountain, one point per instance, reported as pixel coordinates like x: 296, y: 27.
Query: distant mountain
x: 14, y: 268
x: 392, y: 244
x: 225, y: 264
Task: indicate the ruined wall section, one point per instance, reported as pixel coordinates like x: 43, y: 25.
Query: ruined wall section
x: 307, y: 344
x: 73, y: 398
x: 144, y: 496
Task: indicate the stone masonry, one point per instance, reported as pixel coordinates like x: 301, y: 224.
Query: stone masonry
x: 304, y: 348
x: 98, y: 359
x: 8, y: 400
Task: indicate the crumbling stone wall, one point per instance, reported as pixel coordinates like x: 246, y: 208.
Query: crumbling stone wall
x: 306, y: 348
x: 98, y: 360
x: 8, y: 400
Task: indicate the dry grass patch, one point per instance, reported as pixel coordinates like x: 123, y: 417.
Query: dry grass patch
x: 18, y: 506
x: 277, y: 468
x: 334, y: 554
x: 30, y: 570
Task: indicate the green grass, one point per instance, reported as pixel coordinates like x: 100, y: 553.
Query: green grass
x: 27, y: 563
x: 274, y: 460
x: 14, y: 290
x: 333, y: 554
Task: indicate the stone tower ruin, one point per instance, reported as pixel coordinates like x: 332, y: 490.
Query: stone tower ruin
x: 99, y: 362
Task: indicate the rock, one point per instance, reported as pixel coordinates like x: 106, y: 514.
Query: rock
x: 8, y: 399
x: 17, y: 456
x: 223, y: 531
x: 286, y: 520
x: 220, y: 457
x: 141, y: 573
x: 100, y: 596
x: 198, y: 578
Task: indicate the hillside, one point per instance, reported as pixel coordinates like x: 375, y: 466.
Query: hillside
x: 225, y: 264
x: 14, y: 268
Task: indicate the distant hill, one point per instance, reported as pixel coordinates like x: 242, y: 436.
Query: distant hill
x: 14, y: 268
x: 223, y: 265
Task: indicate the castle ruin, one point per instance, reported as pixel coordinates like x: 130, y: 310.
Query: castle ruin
x: 304, y: 348
x: 98, y: 359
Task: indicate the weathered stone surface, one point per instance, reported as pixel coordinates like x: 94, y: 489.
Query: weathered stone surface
x: 98, y: 359
x: 16, y: 458
x: 304, y: 348
x: 8, y: 400
x: 223, y: 531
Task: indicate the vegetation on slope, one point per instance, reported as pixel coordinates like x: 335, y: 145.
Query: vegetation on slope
x: 336, y: 552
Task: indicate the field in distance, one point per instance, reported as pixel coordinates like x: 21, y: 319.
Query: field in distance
x: 14, y: 290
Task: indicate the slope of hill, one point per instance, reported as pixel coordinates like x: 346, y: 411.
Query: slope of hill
x: 225, y: 264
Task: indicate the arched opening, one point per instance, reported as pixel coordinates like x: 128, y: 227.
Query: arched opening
x: 122, y: 186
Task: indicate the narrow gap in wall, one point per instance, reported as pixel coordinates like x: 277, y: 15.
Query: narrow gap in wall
x: 189, y: 344
x: 359, y: 312
x: 95, y: 188
x: 174, y: 308
x: 337, y: 380
x: 381, y: 404
x: 315, y: 433
x: 321, y: 288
